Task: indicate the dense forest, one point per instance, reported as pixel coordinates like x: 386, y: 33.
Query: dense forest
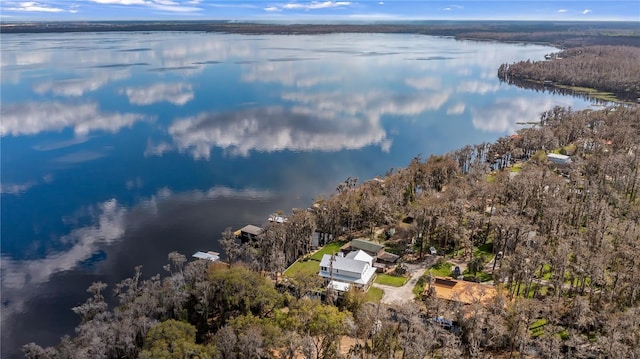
x: 614, y: 69
x: 568, y: 281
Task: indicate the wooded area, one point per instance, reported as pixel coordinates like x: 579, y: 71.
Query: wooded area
x: 614, y: 69
x: 568, y: 283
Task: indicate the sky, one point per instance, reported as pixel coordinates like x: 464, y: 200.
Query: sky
x: 303, y: 10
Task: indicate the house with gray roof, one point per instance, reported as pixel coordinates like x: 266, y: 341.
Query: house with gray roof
x: 341, y: 272
x: 381, y: 258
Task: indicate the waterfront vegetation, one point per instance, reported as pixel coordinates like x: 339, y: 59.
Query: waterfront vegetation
x: 567, y: 281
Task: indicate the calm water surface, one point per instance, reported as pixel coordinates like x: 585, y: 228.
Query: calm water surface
x: 119, y: 148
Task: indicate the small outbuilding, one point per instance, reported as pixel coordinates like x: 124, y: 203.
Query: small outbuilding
x: 211, y: 256
x: 248, y: 233
x: 559, y: 159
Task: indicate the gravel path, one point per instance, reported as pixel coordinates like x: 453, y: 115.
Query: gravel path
x: 404, y: 294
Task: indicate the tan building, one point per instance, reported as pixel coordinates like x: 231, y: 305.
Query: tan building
x: 461, y: 291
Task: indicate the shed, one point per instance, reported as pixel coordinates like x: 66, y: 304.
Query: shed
x: 249, y: 232
x: 212, y: 256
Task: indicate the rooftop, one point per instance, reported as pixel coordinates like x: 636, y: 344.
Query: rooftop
x: 366, y: 245
x: 212, y: 256
x: 462, y: 291
x: 251, y: 229
x: 344, y: 264
x: 360, y: 255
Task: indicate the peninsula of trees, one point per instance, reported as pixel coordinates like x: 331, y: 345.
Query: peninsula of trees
x: 613, y: 69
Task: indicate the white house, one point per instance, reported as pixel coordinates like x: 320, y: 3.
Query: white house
x: 558, y: 159
x: 343, y: 271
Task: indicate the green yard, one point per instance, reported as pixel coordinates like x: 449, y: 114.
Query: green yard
x: 441, y: 269
x: 305, y: 266
x: 391, y: 280
x: 374, y: 294
x: 331, y: 248
x: 311, y: 264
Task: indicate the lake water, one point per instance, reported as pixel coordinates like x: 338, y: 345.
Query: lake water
x: 119, y: 148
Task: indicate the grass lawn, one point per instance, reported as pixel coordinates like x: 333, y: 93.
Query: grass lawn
x: 374, y: 294
x: 331, y: 248
x: 441, y: 270
x: 312, y: 264
x: 485, y: 251
x: 309, y: 266
x: 419, y: 287
x: 391, y: 280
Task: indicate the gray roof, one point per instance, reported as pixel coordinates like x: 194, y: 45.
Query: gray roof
x: 366, y: 245
x: 251, y: 229
x: 344, y: 264
x: 388, y: 257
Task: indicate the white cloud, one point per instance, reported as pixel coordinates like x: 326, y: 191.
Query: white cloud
x: 272, y: 9
x: 78, y: 87
x: 272, y: 129
x: 157, y: 150
x: 586, y: 11
x: 162, y: 5
x: 562, y: 10
x: 452, y: 7
x: 477, y: 87
x: 505, y: 114
x: 456, y: 109
x: 314, y: 5
x: 108, y: 227
x: 15, y: 188
x: 175, y: 93
x: 35, y: 117
x: 381, y: 3
x: 424, y: 83
x: 33, y: 6
x: 122, y: 2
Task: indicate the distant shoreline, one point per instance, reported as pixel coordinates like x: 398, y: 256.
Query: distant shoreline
x: 563, y: 34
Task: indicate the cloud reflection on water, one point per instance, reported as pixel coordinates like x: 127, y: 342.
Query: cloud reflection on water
x: 79, y: 86
x: 503, y: 115
x: 109, y: 224
x: 31, y: 118
x: 175, y: 93
x: 271, y: 129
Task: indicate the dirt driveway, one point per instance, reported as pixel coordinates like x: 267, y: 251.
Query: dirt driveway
x: 404, y: 294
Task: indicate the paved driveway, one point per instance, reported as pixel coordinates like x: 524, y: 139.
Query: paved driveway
x: 404, y: 294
